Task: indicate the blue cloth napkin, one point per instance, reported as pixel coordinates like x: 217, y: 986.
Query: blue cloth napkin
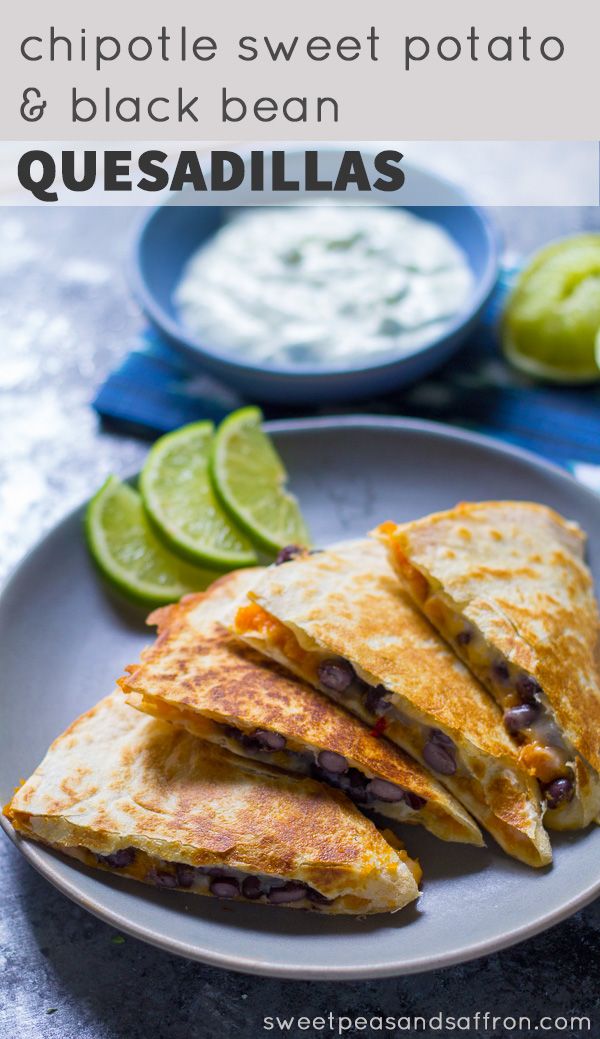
x: 154, y: 391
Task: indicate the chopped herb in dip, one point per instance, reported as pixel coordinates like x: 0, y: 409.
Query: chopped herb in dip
x: 331, y: 286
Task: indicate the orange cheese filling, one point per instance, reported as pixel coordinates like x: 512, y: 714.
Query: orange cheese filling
x: 544, y: 762
x: 138, y: 870
x: 252, y: 618
x: 412, y: 864
x: 418, y: 584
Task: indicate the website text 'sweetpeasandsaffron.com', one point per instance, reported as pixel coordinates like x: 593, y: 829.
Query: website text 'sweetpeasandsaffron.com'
x: 476, y: 1023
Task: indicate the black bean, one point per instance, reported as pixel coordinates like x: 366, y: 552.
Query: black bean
x: 464, y: 637
x: 500, y: 671
x: 375, y: 699
x: 118, y: 859
x: 288, y: 553
x: 381, y: 790
x: 414, y: 801
x: 355, y: 787
x: 521, y: 717
x: 559, y: 791
x: 336, y: 673
x: 441, y: 738
x: 251, y: 887
x: 316, y: 896
x: 185, y: 875
x: 232, y: 732
x: 338, y: 780
x: 439, y: 753
x: 250, y: 743
x: 270, y: 740
x: 224, y: 887
x: 527, y: 688
x: 360, y: 797
x: 162, y: 878
x: 293, y: 891
x: 332, y: 762
x: 357, y: 784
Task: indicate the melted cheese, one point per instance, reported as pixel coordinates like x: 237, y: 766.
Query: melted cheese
x: 413, y: 864
x: 253, y: 618
x: 477, y: 786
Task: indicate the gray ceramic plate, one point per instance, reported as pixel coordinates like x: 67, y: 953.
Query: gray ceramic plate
x: 63, y: 640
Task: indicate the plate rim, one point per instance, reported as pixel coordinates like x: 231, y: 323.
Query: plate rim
x: 44, y: 860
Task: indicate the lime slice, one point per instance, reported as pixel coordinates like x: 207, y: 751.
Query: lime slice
x: 130, y: 555
x: 178, y: 495
x: 551, y: 325
x: 250, y: 480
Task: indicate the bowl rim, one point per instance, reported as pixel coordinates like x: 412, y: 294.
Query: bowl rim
x: 186, y: 342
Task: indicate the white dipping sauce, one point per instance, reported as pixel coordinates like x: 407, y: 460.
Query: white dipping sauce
x: 322, y: 286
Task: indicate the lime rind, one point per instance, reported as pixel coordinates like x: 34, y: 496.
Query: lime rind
x: 181, y: 503
x: 250, y: 480
x: 551, y: 322
x: 129, y: 554
x: 550, y: 373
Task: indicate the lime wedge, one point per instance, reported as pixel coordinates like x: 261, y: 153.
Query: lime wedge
x: 551, y: 325
x: 180, y: 501
x: 250, y: 480
x: 130, y: 555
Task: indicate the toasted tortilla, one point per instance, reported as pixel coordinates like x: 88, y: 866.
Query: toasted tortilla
x: 119, y: 785
x: 198, y: 676
x: 345, y: 604
x: 510, y: 578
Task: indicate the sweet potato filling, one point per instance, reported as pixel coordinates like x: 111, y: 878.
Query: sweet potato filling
x: 418, y: 584
x: 544, y: 762
x: 253, y: 618
x: 413, y: 864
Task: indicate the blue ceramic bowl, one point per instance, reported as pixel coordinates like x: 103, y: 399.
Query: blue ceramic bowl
x: 172, y: 232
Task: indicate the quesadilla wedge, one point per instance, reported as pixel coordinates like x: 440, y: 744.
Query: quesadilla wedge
x: 198, y: 676
x: 506, y: 585
x: 124, y: 792
x: 340, y: 620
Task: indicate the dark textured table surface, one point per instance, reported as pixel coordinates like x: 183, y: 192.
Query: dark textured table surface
x: 65, y: 319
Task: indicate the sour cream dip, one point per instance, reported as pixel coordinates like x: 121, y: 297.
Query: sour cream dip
x: 325, y: 286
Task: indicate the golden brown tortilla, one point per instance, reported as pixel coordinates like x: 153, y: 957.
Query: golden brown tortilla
x: 346, y: 603
x: 197, y: 675
x: 119, y: 780
x: 513, y: 574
